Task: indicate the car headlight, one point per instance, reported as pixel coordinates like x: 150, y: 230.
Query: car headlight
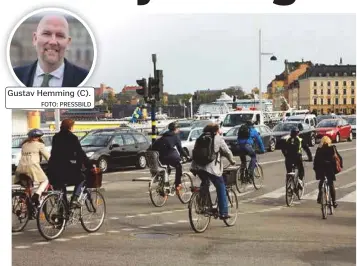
x: 90, y: 154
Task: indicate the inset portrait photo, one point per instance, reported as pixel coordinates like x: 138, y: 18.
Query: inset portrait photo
x: 51, y: 47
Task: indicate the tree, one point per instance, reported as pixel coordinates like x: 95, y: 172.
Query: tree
x: 110, y: 101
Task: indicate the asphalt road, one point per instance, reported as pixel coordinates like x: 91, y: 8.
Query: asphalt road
x: 266, y: 233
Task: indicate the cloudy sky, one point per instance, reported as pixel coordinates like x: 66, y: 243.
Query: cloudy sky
x: 217, y: 51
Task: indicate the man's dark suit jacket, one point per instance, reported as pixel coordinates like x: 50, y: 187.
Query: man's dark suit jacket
x: 72, y: 76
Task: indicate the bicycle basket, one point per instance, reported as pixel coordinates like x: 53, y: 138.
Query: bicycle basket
x: 94, y: 178
x: 229, y: 177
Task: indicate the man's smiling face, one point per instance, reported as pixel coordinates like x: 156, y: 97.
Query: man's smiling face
x: 51, y: 40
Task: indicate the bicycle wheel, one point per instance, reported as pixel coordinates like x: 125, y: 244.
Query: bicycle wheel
x: 52, y: 213
x: 20, y: 211
x: 197, y: 206
x: 157, y: 194
x: 258, y: 177
x: 289, y: 191
x: 241, y: 185
x: 232, y: 207
x: 324, y: 201
x: 93, y: 207
x: 301, y: 192
x: 330, y: 205
x: 185, y: 192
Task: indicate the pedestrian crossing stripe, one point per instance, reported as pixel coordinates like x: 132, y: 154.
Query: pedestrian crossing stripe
x: 350, y: 197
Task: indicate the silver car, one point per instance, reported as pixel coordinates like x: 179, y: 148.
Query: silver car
x: 188, y: 138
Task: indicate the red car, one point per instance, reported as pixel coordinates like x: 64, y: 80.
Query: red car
x: 336, y: 129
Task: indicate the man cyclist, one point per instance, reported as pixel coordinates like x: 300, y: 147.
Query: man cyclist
x: 168, y: 155
x: 292, y: 151
x: 246, y: 136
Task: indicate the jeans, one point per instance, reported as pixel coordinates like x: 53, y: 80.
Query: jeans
x: 174, y: 162
x: 76, y: 191
x: 298, y: 163
x: 218, y: 182
x: 247, y: 149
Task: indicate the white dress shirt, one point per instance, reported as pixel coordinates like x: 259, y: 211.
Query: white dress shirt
x: 55, y: 81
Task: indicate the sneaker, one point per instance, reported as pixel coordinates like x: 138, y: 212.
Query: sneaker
x: 75, y: 203
x: 224, y: 216
x: 35, y: 199
x: 335, y: 204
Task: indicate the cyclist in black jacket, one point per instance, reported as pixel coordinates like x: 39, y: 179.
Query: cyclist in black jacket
x: 292, y: 150
x: 168, y: 154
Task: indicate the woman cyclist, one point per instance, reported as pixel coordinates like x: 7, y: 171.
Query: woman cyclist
x: 325, y: 165
x: 31, y: 151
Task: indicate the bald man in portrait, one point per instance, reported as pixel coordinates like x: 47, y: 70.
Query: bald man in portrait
x: 51, y: 69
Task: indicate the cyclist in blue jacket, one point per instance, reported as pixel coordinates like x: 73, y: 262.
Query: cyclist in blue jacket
x: 246, y: 136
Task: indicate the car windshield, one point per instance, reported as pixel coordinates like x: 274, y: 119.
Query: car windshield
x: 201, y: 123
x: 184, y: 134
x: 212, y: 108
x: 327, y: 123
x: 322, y: 117
x: 285, y: 127
x: 232, y: 120
x: 16, y: 142
x: 96, y: 140
x: 184, y: 123
x: 232, y: 132
x: 351, y: 120
x: 296, y: 119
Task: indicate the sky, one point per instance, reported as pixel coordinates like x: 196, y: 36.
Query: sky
x: 213, y: 51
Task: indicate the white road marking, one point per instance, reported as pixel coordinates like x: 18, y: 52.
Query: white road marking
x: 312, y: 195
x: 22, y: 247
x: 96, y: 234
x: 32, y: 230
x: 350, y: 197
x: 113, y: 231
x: 155, y: 225
x: 141, y: 215
x: 79, y: 237
x: 182, y: 221
x: 114, y: 218
x: 347, y: 185
x: 144, y: 227
x: 42, y: 243
x: 169, y: 223
x: 128, y: 229
x: 62, y: 239
x: 17, y: 233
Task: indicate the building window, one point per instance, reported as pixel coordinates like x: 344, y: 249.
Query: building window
x: 315, y: 83
x: 352, y: 82
x: 322, y: 91
x: 322, y: 84
x: 344, y: 91
x: 336, y: 91
x: 328, y: 83
x: 345, y: 83
x: 336, y: 100
x: 315, y: 91
x: 344, y: 101
x: 352, y: 100
x: 328, y: 101
x: 352, y: 91
x: 336, y: 83
x: 322, y: 101
x: 315, y: 101
x: 328, y: 91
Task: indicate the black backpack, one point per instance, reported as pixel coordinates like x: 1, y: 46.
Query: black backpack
x: 292, y: 146
x: 203, y: 152
x: 243, y: 132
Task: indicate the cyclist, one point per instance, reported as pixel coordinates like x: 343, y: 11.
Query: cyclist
x: 292, y: 151
x: 325, y: 165
x: 208, y: 169
x: 66, y: 161
x: 32, y: 150
x: 246, y: 136
x: 168, y: 155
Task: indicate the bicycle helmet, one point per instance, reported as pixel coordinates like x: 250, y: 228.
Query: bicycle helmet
x: 173, y: 126
x: 294, y: 132
x: 35, y: 133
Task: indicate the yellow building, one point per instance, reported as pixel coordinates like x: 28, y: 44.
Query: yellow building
x: 327, y: 88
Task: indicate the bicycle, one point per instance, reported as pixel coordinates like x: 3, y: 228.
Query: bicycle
x: 161, y: 185
x: 57, y: 212
x: 22, y: 206
x: 243, y: 178
x: 326, y: 200
x: 201, y: 203
x: 292, y: 186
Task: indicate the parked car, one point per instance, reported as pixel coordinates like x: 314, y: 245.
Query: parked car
x: 265, y: 133
x: 282, y: 131
x: 16, y: 149
x: 336, y: 129
x: 188, y: 138
x: 309, y: 119
x: 200, y: 123
x: 112, y: 148
x: 327, y: 116
x: 351, y: 119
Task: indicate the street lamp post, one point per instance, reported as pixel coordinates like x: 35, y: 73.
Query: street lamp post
x: 273, y: 58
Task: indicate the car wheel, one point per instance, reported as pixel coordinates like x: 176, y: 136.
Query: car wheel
x: 272, y: 145
x: 141, y: 163
x: 337, y: 138
x: 350, y: 137
x: 103, y: 164
x: 312, y: 140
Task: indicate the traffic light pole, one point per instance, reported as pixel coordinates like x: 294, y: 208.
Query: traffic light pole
x: 153, y: 107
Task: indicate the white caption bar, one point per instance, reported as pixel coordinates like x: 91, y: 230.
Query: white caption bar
x: 49, y: 98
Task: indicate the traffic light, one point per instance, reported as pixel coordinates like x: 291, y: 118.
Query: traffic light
x: 156, y: 85
x: 143, y: 91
